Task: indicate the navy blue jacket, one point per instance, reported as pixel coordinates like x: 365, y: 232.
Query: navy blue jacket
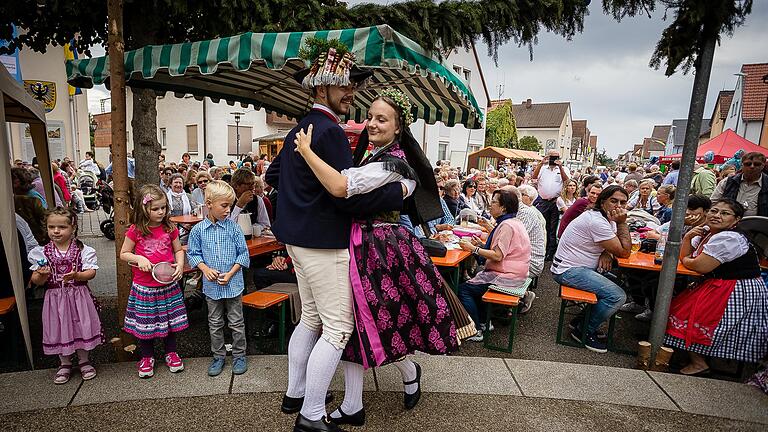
x: 307, y: 215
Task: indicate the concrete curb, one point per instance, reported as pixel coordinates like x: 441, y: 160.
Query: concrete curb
x: 34, y: 390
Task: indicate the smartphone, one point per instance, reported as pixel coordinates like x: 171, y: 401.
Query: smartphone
x: 552, y: 160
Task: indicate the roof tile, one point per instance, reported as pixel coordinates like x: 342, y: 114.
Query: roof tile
x: 544, y: 115
x: 755, y: 92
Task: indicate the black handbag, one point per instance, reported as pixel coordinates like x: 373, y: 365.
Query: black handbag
x: 648, y: 245
x: 433, y: 247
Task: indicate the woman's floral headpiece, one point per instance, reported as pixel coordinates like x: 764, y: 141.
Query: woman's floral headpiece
x: 147, y: 199
x: 402, y: 102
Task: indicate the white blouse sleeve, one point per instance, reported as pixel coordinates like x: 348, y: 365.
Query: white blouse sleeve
x: 368, y: 177
x: 35, y: 255
x: 88, y: 257
x: 726, y: 246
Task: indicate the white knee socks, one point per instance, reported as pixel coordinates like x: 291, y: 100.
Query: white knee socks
x: 299, y: 348
x: 353, y: 389
x: 407, y: 369
x: 320, y: 369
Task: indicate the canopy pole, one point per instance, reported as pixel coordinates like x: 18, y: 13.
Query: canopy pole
x: 119, y: 160
x: 690, y: 146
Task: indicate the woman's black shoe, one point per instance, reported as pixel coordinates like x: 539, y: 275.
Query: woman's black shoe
x: 356, y: 419
x: 323, y: 425
x: 410, y: 400
x: 293, y: 405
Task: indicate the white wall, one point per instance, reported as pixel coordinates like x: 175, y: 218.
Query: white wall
x: 734, y: 120
x: 174, y: 114
x: 458, y: 138
x: 50, y: 67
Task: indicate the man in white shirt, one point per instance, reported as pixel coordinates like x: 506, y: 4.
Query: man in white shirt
x: 535, y: 225
x: 584, y: 253
x: 244, y: 184
x: 550, y: 180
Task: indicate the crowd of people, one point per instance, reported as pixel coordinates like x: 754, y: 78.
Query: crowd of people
x: 353, y: 226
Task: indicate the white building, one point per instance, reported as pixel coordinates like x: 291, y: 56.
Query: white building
x: 747, y: 112
x: 550, y: 123
x: 440, y: 142
x: 68, y: 127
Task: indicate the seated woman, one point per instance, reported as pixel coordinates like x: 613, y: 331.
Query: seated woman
x: 470, y: 196
x: 644, y: 200
x: 508, y: 254
x: 664, y: 197
x: 179, y: 202
x: 726, y: 315
x: 567, y: 196
x: 202, y: 179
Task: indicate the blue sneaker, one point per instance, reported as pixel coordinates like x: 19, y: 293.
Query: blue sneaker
x: 239, y: 365
x: 592, y: 343
x: 217, y: 365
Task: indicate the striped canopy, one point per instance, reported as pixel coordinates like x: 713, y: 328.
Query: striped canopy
x: 257, y: 69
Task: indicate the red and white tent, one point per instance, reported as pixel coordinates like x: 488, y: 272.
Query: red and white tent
x: 724, y: 146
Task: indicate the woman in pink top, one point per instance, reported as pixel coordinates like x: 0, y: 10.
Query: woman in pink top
x: 58, y: 178
x: 507, y: 253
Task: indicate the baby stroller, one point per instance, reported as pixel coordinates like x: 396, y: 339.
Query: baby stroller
x: 107, y: 197
x: 87, y: 182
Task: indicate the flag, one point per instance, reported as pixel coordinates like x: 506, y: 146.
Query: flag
x: 70, y: 53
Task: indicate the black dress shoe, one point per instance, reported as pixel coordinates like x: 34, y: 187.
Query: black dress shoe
x: 410, y: 400
x: 323, y: 425
x: 293, y: 405
x: 356, y: 419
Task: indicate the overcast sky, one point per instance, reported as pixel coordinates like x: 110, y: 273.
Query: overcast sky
x: 604, y: 73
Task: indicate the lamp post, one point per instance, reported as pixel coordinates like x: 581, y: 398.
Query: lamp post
x: 237, y: 115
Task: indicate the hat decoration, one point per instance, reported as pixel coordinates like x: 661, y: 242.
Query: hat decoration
x: 331, y: 61
x: 402, y: 101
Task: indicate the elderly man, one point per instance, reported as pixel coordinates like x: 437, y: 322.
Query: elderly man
x: 315, y: 228
x: 535, y: 225
x: 550, y: 181
x: 749, y: 188
x: 244, y: 184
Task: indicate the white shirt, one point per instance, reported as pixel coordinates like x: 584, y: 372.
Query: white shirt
x: 550, y: 182
x: 535, y: 226
x: 90, y: 165
x: 364, y: 179
x: 26, y: 233
x: 579, y: 245
x: 261, y: 219
x: 724, y: 246
x: 87, y: 257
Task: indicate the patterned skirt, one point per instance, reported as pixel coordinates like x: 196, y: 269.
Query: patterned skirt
x: 742, y: 333
x: 399, y: 298
x: 153, y: 312
x: 70, y: 321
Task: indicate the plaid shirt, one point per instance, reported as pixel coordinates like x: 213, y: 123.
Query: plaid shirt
x: 219, y: 245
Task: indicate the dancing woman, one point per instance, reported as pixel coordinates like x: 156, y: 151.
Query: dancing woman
x: 400, y: 299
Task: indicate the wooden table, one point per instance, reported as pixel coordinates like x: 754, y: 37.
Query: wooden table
x: 451, y: 262
x: 263, y: 245
x: 644, y: 261
x: 186, y: 219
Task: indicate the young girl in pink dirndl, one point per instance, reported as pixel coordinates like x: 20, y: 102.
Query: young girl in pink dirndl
x: 70, y: 320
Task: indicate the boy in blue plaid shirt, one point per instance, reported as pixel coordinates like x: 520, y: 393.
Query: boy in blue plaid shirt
x: 217, y: 247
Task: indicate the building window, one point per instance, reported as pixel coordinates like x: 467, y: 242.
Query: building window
x: 246, y: 140
x: 163, y: 139
x: 192, y: 139
x: 442, y: 150
x: 467, y: 75
x: 735, y: 108
x: 474, y: 147
x: 457, y: 69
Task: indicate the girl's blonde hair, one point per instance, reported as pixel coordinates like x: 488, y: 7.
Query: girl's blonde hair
x: 71, y: 215
x: 141, y: 206
x: 564, y: 193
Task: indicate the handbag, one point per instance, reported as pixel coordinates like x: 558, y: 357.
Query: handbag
x: 433, y: 247
x: 648, y: 245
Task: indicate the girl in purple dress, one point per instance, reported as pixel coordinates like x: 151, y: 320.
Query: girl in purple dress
x: 70, y: 320
x: 399, y: 297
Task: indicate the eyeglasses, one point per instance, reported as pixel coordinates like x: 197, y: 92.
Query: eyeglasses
x: 715, y: 211
x: 752, y: 164
x: 202, y: 181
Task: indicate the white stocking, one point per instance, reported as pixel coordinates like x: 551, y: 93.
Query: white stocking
x: 320, y: 369
x: 353, y: 389
x: 407, y: 370
x: 299, y: 348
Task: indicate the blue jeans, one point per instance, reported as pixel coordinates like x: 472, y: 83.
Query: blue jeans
x: 610, y: 297
x: 471, y: 295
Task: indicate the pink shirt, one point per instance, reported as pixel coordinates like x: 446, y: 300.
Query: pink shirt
x: 156, y: 247
x: 511, y: 237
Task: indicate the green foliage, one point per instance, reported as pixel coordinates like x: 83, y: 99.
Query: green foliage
x: 314, y: 46
x: 500, y: 130
x: 528, y: 143
x: 603, y: 159
x: 694, y: 22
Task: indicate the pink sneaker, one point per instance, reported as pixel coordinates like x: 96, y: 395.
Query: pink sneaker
x: 174, y: 363
x: 146, y: 367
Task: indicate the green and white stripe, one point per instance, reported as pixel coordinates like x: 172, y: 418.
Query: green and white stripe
x: 257, y: 69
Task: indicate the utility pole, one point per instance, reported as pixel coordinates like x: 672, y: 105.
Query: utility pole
x: 237, y: 115
x: 119, y: 163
